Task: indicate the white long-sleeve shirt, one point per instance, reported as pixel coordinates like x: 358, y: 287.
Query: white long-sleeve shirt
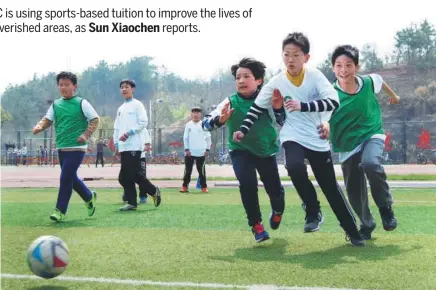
x: 195, y: 139
x: 131, y: 119
x: 318, y: 99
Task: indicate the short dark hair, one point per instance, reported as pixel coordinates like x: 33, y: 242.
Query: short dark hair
x: 298, y: 39
x: 130, y: 82
x: 348, y: 50
x: 196, y: 109
x: 66, y: 75
x: 256, y: 67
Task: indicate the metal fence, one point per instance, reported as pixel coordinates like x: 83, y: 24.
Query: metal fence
x: 407, y: 142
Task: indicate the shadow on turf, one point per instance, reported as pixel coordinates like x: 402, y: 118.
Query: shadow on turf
x: 278, y: 252
x: 48, y: 288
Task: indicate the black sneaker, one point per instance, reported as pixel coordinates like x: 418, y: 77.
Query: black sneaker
x: 366, y: 232
x: 388, y: 219
x: 356, y: 240
x: 156, y: 197
x: 313, y: 222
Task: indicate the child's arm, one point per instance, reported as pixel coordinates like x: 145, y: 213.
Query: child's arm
x: 93, y: 120
x: 208, y: 141
x: 260, y: 106
x: 116, y: 135
x: 45, y: 122
x: 393, y: 98
x: 212, y: 120
x: 328, y: 98
x: 186, y: 139
x: 142, y: 120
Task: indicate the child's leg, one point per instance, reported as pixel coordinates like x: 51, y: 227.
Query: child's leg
x: 130, y: 164
x: 145, y: 186
x: 245, y: 170
x: 297, y: 170
x: 269, y: 175
x: 189, y: 163
x: 322, y: 166
x: 371, y: 164
x: 70, y: 161
x: 201, y: 168
x: 355, y: 183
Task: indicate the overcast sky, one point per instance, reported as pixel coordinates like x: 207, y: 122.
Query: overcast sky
x: 220, y: 42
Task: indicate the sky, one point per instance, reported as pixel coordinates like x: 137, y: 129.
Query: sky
x: 219, y: 44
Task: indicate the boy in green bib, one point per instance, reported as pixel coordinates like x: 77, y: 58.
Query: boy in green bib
x: 75, y: 120
x: 257, y: 151
x: 356, y: 132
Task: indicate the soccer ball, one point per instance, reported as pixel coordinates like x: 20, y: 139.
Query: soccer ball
x: 48, y: 257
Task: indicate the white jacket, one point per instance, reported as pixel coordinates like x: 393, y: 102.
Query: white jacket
x: 131, y: 119
x: 195, y: 139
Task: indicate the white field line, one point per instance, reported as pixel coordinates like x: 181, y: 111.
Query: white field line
x: 166, y: 284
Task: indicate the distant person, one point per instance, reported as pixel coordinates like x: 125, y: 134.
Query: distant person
x: 100, y: 148
x: 75, y: 120
x: 24, y: 154
x: 197, y: 144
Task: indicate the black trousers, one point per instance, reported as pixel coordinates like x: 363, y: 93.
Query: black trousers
x: 130, y: 168
x: 323, y: 169
x: 99, y: 157
x: 245, y: 165
x: 189, y: 164
x: 145, y: 186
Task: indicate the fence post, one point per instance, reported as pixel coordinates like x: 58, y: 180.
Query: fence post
x: 19, y: 139
x: 405, y: 142
x: 159, y: 141
x: 45, y: 138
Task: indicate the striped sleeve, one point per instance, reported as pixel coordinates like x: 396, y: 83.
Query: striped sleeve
x: 251, y: 117
x: 323, y: 105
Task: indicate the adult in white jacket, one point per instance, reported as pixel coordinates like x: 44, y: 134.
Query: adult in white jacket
x: 197, y: 144
x: 129, y: 140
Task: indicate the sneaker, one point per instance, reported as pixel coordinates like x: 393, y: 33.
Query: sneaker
x: 143, y: 199
x: 259, y: 233
x: 275, y: 219
x: 128, y: 207
x: 156, y: 197
x: 313, y: 223
x: 355, y: 240
x: 90, y: 205
x: 204, y: 190
x: 57, y: 216
x: 184, y: 189
x: 388, y: 219
x: 366, y: 232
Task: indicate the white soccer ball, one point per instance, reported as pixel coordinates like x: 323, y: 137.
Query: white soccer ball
x: 48, y: 257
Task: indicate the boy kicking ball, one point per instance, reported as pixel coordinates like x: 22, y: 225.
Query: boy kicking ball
x: 75, y: 120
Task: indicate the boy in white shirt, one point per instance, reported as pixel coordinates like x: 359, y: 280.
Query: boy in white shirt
x: 129, y: 142
x: 299, y: 134
x: 197, y: 144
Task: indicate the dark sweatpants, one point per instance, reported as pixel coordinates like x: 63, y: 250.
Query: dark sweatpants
x: 245, y: 165
x: 322, y: 167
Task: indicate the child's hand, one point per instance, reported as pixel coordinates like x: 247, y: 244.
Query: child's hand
x: 36, y: 129
x: 124, y: 137
x: 277, y: 100
x: 147, y: 147
x: 225, y: 113
x: 188, y: 153
x: 324, y: 130
x: 394, y: 100
x: 293, y: 105
x: 238, y: 136
x: 81, y: 139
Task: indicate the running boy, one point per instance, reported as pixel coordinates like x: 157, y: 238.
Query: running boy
x: 356, y: 132
x: 197, y: 144
x: 299, y: 134
x: 129, y: 142
x: 257, y: 151
x: 75, y: 120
